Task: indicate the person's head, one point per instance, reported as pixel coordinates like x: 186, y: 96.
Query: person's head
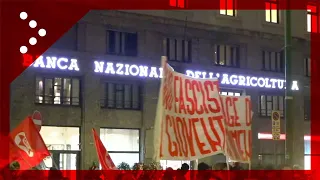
x: 203, y: 166
x: 168, y: 173
x: 169, y: 169
x: 185, y: 166
x: 14, y: 166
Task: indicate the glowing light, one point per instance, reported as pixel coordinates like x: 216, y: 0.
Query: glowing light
x: 267, y: 136
x: 240, y: 80
x: 156, y: 72
x: 295, y: 86
x: 127, y: 69
x: 52, y: 62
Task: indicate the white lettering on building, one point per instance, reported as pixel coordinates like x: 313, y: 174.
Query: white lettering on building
x: 225, y: 79
x: 52, y: 62
x: 127, y: 69
x: 250, y: 81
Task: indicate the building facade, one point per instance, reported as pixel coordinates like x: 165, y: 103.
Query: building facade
x: 104, y: 74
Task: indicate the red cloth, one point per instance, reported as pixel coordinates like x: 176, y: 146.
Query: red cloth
x: 4, y: 161
x: 26, y: 145
x: 104, y: 157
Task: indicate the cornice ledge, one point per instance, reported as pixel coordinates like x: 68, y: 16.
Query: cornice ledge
x: 194, y: 25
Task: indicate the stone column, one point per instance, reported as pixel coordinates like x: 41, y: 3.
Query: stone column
x: 298, y: 130
x: 256, y: 123
x: 149, y: 113
x: 91, y: 88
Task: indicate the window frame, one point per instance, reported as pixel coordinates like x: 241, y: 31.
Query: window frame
x: 166, y: 49
x: 71, y: 126
x: 280, y: 69
x: 307, y: 71
x: 125, y: 152
x: 276, y: 151
x: 120, y: 53
x: 104, y: 103
x: 44, y: 77
x: 282, y: 113
x: 226, y: 9
x: 311, y: 14
x: 217, y: 55
x: 270, y: 3
x: 307, y: 113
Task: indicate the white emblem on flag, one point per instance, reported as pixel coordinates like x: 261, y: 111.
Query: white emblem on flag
x: 22, y: 142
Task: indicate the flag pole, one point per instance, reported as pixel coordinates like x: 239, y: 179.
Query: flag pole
x: 54, y: 163
x: 289, y: 119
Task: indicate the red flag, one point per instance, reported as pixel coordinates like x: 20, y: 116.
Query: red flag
x: 26, y: 145
x: 104, y: 157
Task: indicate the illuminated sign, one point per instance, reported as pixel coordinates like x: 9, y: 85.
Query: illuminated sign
x: 240, y: 80
x: 225, y: 79
x: 266, y: 136
x: 52, y: 62
x: 127, y: 69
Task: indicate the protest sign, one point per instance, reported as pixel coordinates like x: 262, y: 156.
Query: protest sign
x: 191, y: 117
x: 194, y: 121
x: 238, y: 117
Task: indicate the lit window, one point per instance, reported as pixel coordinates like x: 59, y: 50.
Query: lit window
x: 272, y: 11
x: 307, y: 67
x: 177, y: 49
x: 271, y: 103
x: 65, y: 91
x: 312, y: 18
x: 61, y: 138
x: 63, y: 142
x: 230, y: 92
x: 178, y: 3
x: 122, y: 96
x: 272, y: 61
x: 307, y: 155
x: 227, y: 55
x: 227, y: 7
x: 127, y: 151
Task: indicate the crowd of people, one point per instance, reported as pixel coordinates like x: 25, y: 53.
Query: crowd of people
x: 205, y: 172
x: 217, y: 172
